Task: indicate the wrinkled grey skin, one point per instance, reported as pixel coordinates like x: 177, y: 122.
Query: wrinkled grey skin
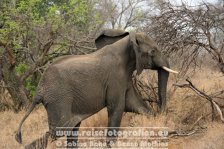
x: 76, y: 87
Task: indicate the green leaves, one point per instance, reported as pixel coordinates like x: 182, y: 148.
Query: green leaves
x: 36, y: 31
x: 28, y: 84
x: 21, y: 68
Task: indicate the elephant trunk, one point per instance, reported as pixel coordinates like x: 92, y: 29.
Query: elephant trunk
x: 162, y: 88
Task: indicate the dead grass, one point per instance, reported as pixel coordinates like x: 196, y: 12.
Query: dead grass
x: 211, y: 138
x: 34, y: 127
x: 184, y: 108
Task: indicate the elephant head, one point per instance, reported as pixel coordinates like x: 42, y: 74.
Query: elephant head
x: 147, y: 55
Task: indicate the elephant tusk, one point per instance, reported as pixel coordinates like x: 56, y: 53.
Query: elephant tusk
x: 169, y: 70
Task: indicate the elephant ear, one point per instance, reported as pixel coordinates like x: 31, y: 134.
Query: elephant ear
x: 136, y: 48
x: 109, y: 36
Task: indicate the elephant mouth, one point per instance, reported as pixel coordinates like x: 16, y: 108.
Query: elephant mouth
x: 169, y: 70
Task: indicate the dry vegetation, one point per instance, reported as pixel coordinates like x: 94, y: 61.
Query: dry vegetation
x: 190, y: 35
x: 186, y: 112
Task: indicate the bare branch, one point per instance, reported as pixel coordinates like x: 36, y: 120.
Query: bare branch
x: 203, y: 95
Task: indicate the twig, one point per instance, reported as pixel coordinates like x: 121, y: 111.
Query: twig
x: 218, y: 110
x: 197, y: 121
x: 181, y: 133
x: 190, y: 131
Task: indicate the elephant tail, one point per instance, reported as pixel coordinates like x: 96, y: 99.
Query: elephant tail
x: 37, y: 100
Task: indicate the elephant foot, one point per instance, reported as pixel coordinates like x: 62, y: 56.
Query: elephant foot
x: 40, y: 143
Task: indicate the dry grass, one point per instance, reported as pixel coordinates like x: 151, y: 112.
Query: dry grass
x: 184, y: 108
x: 211, y: 138
x: 34, y: 127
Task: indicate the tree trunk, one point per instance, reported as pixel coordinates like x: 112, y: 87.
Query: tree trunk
x: 12, y: 81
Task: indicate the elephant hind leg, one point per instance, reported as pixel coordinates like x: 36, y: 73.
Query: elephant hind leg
x: 40, y: 143
x: 73, y: 139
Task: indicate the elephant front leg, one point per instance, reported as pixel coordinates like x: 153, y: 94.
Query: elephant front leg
x: 72, y: 141
x: 115, y: 111
x: 134, y: 103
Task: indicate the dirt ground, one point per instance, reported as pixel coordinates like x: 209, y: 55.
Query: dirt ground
x: 186, y: 112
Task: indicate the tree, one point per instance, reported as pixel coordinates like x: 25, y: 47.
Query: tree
x: 33, y: 33
x: 189, y: 31
x: 123, y: 14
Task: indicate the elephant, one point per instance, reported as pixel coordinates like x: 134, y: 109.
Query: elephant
x: 77, y: 86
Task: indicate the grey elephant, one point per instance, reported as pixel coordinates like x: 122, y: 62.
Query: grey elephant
x: 76, y: 87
